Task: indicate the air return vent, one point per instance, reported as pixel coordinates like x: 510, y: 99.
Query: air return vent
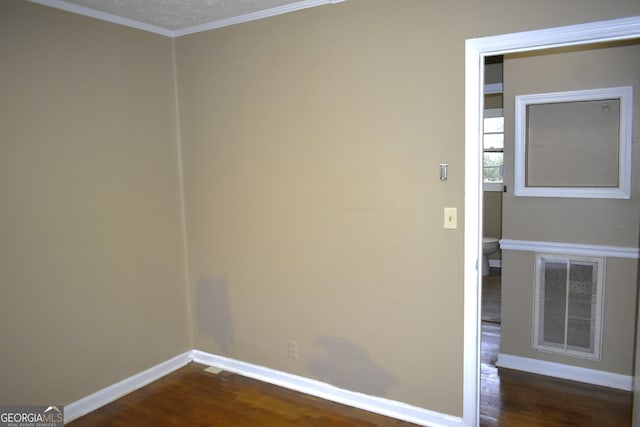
x: 568, y: 305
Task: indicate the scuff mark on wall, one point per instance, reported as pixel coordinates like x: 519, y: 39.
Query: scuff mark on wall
x: 349, y: 366
x: 213, y: 311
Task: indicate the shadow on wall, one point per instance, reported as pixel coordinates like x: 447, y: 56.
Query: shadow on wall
x: 349, y: 366
x: 213, y: 311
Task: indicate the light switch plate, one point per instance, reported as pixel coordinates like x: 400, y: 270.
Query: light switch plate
x: 450, y: 218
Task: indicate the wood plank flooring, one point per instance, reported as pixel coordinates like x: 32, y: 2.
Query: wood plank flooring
x: 192, y: 397
x: 515, y: 398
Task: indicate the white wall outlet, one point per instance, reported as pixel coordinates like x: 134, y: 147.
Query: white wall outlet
x: 450, y: 218
x: 293, y: 349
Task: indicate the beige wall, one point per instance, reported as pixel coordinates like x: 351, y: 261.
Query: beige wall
x: 311, y: 150
x: 573, y: 144
x: 313, y: 198
x: 90, y: 256
x: 492, y: 214
x: 583, y: 221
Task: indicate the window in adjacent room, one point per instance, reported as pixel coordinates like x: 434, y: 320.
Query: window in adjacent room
x: 493, y: 124
x: 493, y: 156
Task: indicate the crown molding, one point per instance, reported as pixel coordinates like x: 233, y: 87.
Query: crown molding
x: 115, y: 19
x: 253, y: 16
x: 103, y: 16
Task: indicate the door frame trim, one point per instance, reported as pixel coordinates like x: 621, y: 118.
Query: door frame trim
x: 475, y: 51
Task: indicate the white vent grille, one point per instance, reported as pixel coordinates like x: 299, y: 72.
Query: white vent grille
x: 568, y: 305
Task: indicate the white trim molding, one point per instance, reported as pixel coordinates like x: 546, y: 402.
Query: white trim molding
x: 115, y: 19
x: 559, y: 370
x: 378, y: 405
x: 115, y: 391
x: 497, y: 263
x: 493, y: 88
x: 254, y: 16
x: 104, y: 16
x: 570, y: 248
x: 522, y: 103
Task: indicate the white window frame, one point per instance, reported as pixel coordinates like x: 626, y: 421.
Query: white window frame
x: 599, y: 309
x: 489, y: 113
x: 623, y: 190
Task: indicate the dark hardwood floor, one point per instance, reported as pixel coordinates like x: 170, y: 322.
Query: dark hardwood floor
x: 192, y: 397
x: 515, y: 398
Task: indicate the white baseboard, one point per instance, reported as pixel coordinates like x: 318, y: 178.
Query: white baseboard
x: 379, y: 405
x: 115, y: 391
x: 558, y: 370
x: 495, y: 263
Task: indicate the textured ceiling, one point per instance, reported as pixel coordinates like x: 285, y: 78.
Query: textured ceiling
x: 178, y: 17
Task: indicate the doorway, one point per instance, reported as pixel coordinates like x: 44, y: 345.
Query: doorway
x: 493, y: 184
x: 476, y: 51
